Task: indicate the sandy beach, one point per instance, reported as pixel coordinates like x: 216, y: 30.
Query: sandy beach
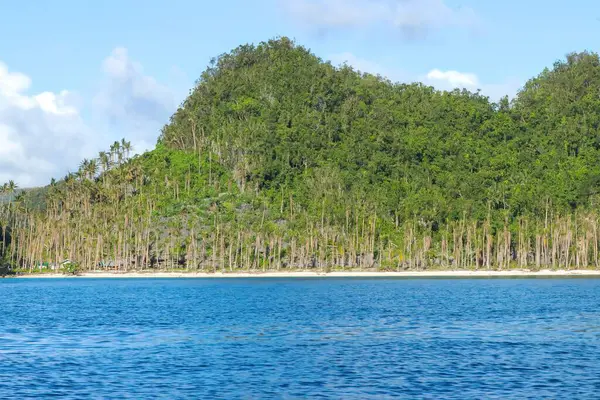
x: 341, y: 274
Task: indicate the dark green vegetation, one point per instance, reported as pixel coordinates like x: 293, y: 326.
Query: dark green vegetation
x: 278, y: 160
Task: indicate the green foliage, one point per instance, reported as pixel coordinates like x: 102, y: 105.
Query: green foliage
x: 275, y: 149
x: 71, y: 268
x: 5, y: 269
x: 281, y: 118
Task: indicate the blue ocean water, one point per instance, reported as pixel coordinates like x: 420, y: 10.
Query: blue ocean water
x: 300, y: 338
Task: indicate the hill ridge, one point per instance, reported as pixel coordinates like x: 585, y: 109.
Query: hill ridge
x: 278, y: 160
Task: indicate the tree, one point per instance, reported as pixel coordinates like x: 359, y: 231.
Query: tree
x: 278, y: 159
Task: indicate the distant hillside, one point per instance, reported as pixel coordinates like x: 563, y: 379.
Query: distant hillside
x: 35, y: 196
x: 278, y: 160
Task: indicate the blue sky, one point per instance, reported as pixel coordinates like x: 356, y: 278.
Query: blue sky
x: 75, y: 76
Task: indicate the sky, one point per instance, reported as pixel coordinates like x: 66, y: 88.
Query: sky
x: 75, y: 75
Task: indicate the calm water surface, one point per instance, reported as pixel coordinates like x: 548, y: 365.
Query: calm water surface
x: 300, y: 338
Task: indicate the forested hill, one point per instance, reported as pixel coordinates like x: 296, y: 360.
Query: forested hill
x: 278, y: 117
x: 279, y: 160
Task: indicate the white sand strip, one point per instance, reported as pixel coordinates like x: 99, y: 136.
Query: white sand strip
x: 342, y: 274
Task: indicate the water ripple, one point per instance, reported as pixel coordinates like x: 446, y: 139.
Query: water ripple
x: 296, y: 339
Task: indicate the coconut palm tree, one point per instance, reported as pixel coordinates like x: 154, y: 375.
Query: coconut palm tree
x: 127, y: 148
x: 115, y: 150
x: 11, y: 187
x: 104, y: 159
x: 92, y: 169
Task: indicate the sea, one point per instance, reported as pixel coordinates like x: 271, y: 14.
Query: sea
x: 300, y: 338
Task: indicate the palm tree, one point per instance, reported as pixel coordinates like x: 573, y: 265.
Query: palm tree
x: 3, y: 216
x: 104, y: 159
x: 115, y: 150
x: 127, y: 148
x: 82, y: 172
x: 92, y: 169
x: 11, y: 187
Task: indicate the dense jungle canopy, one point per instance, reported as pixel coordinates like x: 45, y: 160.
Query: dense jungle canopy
x: 280, y: 160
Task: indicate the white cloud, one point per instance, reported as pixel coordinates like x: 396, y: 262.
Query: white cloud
x: 441, y: 80
x: 453, y: 79
x: 43, y: 135
x: 40, y: 134
x: 409, y: 16
x: 448, y: 80
x: 131, y: 100
x: 12, y: 83
x: 132, y: 104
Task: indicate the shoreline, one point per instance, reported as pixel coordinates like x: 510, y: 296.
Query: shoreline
x: 339, y: 274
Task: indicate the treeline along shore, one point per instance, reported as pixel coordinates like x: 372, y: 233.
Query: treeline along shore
x: 442, y: 274
x: 279, y: 161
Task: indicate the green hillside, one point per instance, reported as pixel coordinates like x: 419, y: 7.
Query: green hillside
x: 279, y: 160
